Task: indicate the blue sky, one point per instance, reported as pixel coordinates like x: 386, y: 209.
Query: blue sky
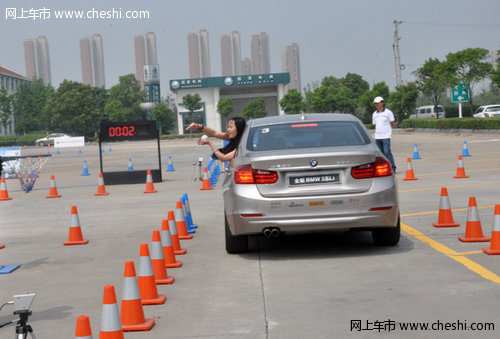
x: 335, y: 36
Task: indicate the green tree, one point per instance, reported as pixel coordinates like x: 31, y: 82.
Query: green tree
x: 5, y: 108
x: 225, y: 108
x: 114, y: 110
x: 470, y: 66
x: 191, y: 103
x: 434, y: 78
x: 336, y: 95
x: 128, y: 93
x: 356, y: 84
x: 403, y: 100
x: 164, y: 115
x: 29, y: 106
x: 100, y: 97
x: 366, y: 100
x: 72, y: 109
x: 255, y: 109
x: 293, y: 102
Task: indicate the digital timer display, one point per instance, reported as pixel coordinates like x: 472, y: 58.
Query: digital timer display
x: 116, y: 131
x: 121, y: 131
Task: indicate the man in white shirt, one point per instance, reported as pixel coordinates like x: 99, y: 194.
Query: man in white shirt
x: 383, y: 119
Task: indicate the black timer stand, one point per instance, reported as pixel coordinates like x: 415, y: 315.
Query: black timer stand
x: 143, y: 130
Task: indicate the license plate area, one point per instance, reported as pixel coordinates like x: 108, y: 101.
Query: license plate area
x: 313, y: 179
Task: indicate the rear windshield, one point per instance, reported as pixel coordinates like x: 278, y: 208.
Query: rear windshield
x: 306, y: 134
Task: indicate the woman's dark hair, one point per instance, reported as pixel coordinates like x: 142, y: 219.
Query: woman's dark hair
x: 240, y: 124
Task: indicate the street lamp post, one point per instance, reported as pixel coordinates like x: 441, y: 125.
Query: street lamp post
x: 147, y: 106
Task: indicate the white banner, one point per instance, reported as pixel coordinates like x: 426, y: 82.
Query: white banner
x: 69, y: 142
x: 10, y: 166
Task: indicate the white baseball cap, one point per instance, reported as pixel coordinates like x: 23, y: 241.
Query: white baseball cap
x: 377, y: 100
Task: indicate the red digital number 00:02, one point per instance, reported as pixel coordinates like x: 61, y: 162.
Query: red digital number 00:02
x: 124, y: 131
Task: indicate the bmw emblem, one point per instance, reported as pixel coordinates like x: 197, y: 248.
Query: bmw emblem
x: 314, y: 163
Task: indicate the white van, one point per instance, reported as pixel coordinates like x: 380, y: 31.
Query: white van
x: 429, y: 112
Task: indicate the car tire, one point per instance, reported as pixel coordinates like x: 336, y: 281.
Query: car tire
x: 387, y: 236
x: 235, y: 244
x: 41, y: 144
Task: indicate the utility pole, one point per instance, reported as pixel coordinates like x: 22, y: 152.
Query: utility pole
x: 397, y: 57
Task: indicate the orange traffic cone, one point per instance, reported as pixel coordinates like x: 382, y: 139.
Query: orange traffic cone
x: 2, y: 246
x: 168, y: 247
x: 4, y: 194
x: 75, y: 232
x: 111, y: 326
x: 180, y: 222
x: 131, y: 313
x: 495, y: 234
x: 473, y: 231
x: 83, y: 330
x: 158, y: 261
x: 146, y: 280
x: 101, y: 189
x: 409, y: 171
x: 150, y: 188
x: 175, y: 237
x: 445, y: 218
x: 460, y: 169
x: 53, y: 189
x: 206, y: 181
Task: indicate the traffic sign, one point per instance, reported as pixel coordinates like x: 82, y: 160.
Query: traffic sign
x: 460, y: 93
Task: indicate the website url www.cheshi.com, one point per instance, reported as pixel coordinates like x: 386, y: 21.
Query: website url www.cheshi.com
x: 391, y: 325
x: 91, y: 14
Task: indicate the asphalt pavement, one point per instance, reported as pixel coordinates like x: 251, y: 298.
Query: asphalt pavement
x: 314, y: 286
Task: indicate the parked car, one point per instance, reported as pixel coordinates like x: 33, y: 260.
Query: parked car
x: 315, y: 172
x: 49, y: 139
x: 487, y: 111
x: 429, y: 111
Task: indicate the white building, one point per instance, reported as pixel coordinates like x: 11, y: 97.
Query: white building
x: 241, y: 88
x: 10, y: 81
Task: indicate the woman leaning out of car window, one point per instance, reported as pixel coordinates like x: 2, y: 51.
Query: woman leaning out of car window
x: 235, y: 128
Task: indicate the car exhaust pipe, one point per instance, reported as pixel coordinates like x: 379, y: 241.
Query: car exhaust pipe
x: 271, y: 232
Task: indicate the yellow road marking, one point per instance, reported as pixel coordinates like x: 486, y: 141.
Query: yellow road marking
x: 459, y: 257
x: 436, y: 212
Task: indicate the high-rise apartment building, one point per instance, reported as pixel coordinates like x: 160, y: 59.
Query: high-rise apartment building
x: 199, y: 54
x: 37, y: 60
x: 259, y: 53
x: 230, y: 50
x: 92, y: 57
x: 145, y: 54
x: 290, y: 62
x: 246, y: 66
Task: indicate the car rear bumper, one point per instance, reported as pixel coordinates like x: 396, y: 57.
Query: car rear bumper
x: 249, y: 213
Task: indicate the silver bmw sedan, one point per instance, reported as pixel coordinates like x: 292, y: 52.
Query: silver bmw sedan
x: 306, y: 173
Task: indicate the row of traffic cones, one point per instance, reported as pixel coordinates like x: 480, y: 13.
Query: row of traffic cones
x: 473, y: 230
x: 101, y: 188
x: 210, y: 175
x: 141, y: 289
x: 410, y: 175
x: 465, y: 151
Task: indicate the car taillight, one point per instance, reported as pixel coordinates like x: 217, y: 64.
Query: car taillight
x: 245, y: 174
x: 380, y: 168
